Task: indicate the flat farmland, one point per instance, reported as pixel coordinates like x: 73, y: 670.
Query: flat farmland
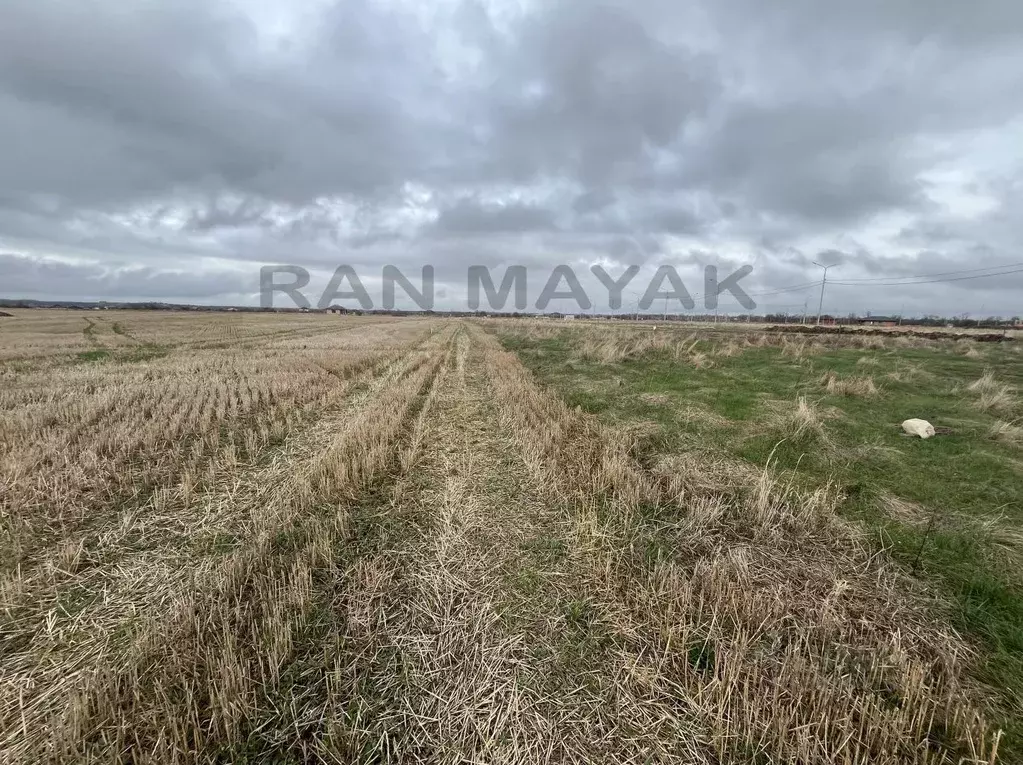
x: 232, y: 538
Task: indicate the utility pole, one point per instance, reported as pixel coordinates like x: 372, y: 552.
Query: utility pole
x: 805, y: 304
x: 824, y: 282
x: 664, y: 316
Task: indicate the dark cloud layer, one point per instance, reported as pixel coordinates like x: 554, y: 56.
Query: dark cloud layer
x: 196, y: 140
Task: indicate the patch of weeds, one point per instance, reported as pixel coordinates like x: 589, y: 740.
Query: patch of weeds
x: 526, y: 582
x: 787, y: 453
x: 546, y: 549
x: 145, y: 352
x: 655, y: 551
x: 701, y: 656
x: 290, y: 540
x: 585, y: 637
x: 578, y: 614
x: 220, y: 543
x: 76, y: 598
x: 96, y: 355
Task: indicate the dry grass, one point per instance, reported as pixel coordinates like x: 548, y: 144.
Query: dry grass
x: 1007, y: 432
x: 731, y: 348
x: 702, y: 417
x: 993, y: 396
x: 155, y: 519
x: 613, y: 342
x: 803, y: 422
x: 911, y: 513
x: 799, y: 349
x: 614, y: 346
x: 853, y: 386
x: 392, y: 545
x: 655, y: 399
x: 986, y: 384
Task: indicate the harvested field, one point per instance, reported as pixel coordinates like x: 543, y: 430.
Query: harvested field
x: 316, y: 539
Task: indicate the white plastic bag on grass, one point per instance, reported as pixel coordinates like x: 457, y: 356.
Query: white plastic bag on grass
x: 915, y: 427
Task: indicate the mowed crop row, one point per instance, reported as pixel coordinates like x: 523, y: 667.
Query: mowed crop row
x: 393, y: 545
x: 130, y: 488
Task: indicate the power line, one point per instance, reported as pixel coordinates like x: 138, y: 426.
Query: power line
x: 928, y: 281
x: 782, y: 290
x: 889, y: 281
x: 904, y: 281
x: 929, y: 276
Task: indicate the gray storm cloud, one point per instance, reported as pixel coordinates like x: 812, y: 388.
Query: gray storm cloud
x: 168, y: 149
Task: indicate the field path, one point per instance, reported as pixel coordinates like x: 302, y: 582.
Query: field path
x: 435, y: 654
x: 468, y: 634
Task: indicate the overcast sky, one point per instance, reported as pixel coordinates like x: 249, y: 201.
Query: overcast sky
x: 166, y: 149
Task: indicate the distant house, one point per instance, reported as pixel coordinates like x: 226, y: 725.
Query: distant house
x: 338, y: 309
x: 569, y: 316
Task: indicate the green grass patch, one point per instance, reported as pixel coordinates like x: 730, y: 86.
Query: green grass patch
x: 745, y: 404
x: 144, y: 352
x: 133, y: 355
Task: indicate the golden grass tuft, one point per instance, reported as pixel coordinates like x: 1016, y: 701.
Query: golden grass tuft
x: 905, y: 511
x: 985, y: 384
x: 701, y: 360
x: 993, y: 396
x: 853, y: 386
x: 798, y: 349
x: 803, y: 422
x: 729, y: 349
x: 1007, y: 432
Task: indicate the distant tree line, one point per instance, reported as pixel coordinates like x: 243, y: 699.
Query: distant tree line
x: 931, y: 320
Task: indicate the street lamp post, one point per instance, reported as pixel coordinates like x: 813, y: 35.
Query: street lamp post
x: 824, y: 282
